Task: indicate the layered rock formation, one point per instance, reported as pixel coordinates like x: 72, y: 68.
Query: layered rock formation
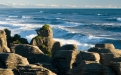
x: 44, y: 40
x: 3, y: 42
x: 48, y: 57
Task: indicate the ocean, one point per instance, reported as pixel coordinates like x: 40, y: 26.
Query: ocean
x: 84, y: 27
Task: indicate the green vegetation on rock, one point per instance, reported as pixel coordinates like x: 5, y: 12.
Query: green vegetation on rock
x: 49, y: 53
x: 46, y: 27
x: 6, y: 29
x: 16, y: 39
x: 38, y: 37
x: 43, y: 46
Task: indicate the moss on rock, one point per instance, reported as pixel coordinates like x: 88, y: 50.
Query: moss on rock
x: 38, y: 37
x: 46, y: 27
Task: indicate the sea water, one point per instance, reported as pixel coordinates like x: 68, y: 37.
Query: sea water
x: 84, y: 27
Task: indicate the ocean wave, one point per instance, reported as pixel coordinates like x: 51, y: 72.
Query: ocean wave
x: 114, y: 19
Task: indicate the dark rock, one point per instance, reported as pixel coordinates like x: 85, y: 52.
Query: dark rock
x: 63, y: 60
x: 56, y: 46
x: 108, y: 71
x: 87, y: 68
x: 116, y: 66
x: 106, y: 46
x: 69, y: 47
x: 8, y: 33
x: 106, y: 58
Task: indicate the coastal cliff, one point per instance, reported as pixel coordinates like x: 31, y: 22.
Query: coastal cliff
x: 45, y: 56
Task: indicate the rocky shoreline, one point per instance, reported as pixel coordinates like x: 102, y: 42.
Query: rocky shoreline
x: 45, y: 56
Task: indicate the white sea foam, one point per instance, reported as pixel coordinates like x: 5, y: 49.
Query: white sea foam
x: 12, y: 16
x: 58, y: 18
x: 26, y: 17
x: 119, y: 19
x: 99, y: 14
x: 81, y: 46
x: 29, y: 37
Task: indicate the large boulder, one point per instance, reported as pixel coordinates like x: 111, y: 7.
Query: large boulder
x: 106, y: 48
x: 32, y: 53
x: 56, y: 46
x: 8, y: 72
x: 11, y: 60
x: 108, y: 71
x: 63, y: 60
x: 3, y: 42
x: 34, y: 70
x: 87, y: 68
x: 106, y: 58
x: 69, y: 47
x: 87, y: 56
x: 116, y: 67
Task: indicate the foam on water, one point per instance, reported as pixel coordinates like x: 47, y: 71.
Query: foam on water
x: 119, y: 19
x: 81, y: 46
x: 29, y: 37
x: 12, y: 16
x: 26, y: 17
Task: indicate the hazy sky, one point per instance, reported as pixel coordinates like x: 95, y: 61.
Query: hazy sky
x: 73, y: 3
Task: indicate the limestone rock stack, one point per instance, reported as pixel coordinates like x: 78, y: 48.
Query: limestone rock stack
x: 3, y: 42
x: 44, y: 39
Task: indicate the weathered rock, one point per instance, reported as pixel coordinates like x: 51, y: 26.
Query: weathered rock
x: 32, y: 53
x: 87, y: 68
x: 69, y: 47
x: 106, y: 46
x: 7, y: 72
x: 45, y: 31
x: 11, y: 60
x: 108, y: 71
x: 64, y: 59
x: 8, y: 33
x: 56, y: 46
x: 116, y: 67
x: 106, y: 58
x: 3, y: 42
x: 44, y: 39
x: 87, y: 56
x: 101, y: 50
x: 34, y: 70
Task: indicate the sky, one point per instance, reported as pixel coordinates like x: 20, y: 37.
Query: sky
x: 64, y: 3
